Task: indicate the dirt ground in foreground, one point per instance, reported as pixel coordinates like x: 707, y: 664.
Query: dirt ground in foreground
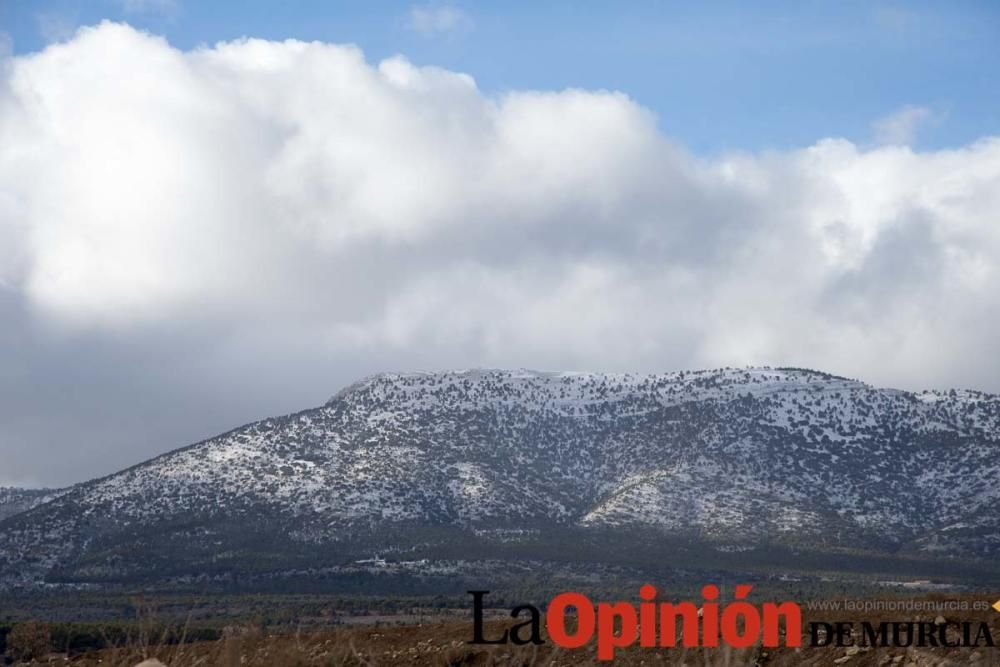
x: 446, y: 643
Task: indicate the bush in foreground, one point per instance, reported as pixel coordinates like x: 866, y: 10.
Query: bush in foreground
x: 29, y: 641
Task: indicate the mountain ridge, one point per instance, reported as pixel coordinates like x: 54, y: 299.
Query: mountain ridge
x: 731, y: 457
x: 15, y: 500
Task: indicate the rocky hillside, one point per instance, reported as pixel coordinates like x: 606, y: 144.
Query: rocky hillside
x: 728, y: 458
x: 14, y: 500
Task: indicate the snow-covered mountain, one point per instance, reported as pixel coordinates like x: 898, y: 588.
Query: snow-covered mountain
x: 726, y: 457
x: 14, y: 500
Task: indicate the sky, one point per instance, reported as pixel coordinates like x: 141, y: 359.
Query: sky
x: 211, y: 213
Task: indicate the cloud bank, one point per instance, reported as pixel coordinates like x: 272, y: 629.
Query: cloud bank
x: 189, y: 240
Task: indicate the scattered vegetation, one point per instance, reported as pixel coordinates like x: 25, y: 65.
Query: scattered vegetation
x: 441, y: 643
x: 29, y: 641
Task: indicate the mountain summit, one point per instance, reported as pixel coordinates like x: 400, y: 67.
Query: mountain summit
x: 731, y: 459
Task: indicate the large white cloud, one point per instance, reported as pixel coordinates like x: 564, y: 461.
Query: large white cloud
x: 290, y: 206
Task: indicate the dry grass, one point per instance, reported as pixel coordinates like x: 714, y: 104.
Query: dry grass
x: 440, y: 645
x: 445, y: 644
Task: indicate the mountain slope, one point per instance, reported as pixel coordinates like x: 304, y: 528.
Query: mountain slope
x: 15, y: 500
x: 729, y: 457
